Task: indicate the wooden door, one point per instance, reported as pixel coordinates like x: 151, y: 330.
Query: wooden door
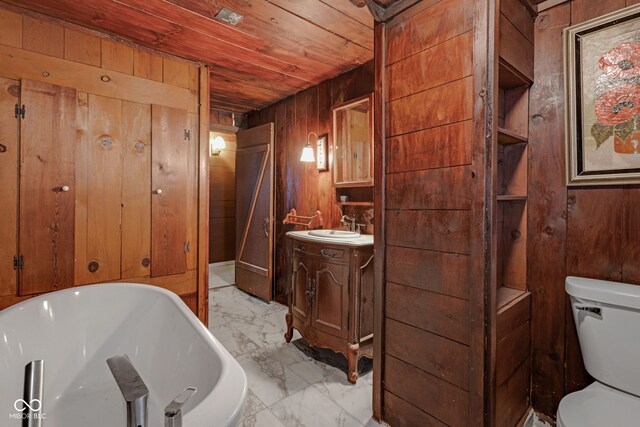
x: 47, y: 187
x: 301, y: 286
x: 9, y: 131
x: 254, y: 211
x: 331, y: 295
x: 170, y: 136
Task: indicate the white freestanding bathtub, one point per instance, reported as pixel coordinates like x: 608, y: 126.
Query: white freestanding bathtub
x: 76, y: 330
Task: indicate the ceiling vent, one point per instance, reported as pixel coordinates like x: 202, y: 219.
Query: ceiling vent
x: 229, y: 16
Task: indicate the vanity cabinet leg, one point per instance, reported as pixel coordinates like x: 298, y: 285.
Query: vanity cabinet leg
x: 289, y: 333
x: 352, y: 357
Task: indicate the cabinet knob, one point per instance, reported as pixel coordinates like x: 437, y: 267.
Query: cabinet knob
x: 65, y: 188
x: 159, y: 191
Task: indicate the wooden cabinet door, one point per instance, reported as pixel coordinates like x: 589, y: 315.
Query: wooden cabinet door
x: 301, y: 283
x: 170, y: 139
x: 331, y: 288
x: 9, y: 127
x: 47, y: 187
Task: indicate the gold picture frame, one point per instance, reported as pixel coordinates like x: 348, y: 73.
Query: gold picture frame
x: 602, y: 94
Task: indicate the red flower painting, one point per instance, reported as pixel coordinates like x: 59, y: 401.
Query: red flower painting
x: 618, y: 106
x: 622, y: 62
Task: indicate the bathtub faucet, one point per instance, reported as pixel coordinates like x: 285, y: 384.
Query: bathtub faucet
x: 133, y: 389
x: 173, y: 411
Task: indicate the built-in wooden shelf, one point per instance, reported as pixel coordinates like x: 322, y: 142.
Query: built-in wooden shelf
x: 505, y: 296
x: 509, y: 77
x: 507, y: 137
x: 510, y: 198
x: 355, y: 204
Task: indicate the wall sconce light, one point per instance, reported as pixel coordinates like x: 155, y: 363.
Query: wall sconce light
x: 216, y: 145
x: 307, y: 151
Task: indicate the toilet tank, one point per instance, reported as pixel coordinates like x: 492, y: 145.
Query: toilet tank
x: 607, y: 317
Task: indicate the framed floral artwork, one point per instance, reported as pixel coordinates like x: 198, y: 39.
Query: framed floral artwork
x: 602, y: 89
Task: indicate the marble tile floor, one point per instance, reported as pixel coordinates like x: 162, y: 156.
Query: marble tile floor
x: 286, y: 387
x: 222, y: 274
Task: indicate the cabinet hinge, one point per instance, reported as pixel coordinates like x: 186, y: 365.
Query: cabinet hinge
x: 18, y: 262
x: 187, y: 247
x: 20, y: 111
x: 187, y: 135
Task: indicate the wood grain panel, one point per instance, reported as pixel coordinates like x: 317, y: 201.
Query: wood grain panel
x: 47, y: 139
x: 415, y: 73
x: 446, y: 402
x: 136, y: 189
x: 19, y: 63
x: 511, y: 318
x: 80, y: 271
x: 438, y: 272
x: 446, y: 316
x: 222, y: 202
x: 10, y: 28
x: 512, y: 351
x: 42, y: 37
x: 441, y: 357
x: 442, y: 146
x: 445, y: 188
x: 82, y: 47
x: 147, y: 65
x: 546, y: 250
x: 511, y: 401
x: 104, y: 182
x: 515, y: 49
x: 583, y: 10
x: 169, y: 156
x: 449, y: 103
x: 222, y: 241
x: 117, y: 57
x: 398, y: 412
x: 630, y: 233
x: 518, y: 14
x: 360, y: 14
x: 435, y: 24
x: 175, y: 73
x: 444, y: 231
x: 512, y: 247
x: 330, y: 19
x: 9, y: 159
x: 587, y: 236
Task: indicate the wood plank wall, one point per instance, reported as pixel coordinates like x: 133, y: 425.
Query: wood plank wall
x: 300, y: 185
x: 112, y: 182
x: 428, y: 351
x: 222, y: 202
x: 590, y: 232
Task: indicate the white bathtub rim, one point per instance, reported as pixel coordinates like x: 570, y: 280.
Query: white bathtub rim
x: 232, y: 381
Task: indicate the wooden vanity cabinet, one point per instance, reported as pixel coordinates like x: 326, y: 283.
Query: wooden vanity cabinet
x: 331, y: 298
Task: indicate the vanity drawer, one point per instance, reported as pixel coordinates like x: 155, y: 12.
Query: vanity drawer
x: 328, y: 252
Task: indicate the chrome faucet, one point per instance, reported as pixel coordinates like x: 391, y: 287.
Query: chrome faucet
x: 173, y: 411
x: 349, y: 221
x: 33, y: 393
x: 133, y: 389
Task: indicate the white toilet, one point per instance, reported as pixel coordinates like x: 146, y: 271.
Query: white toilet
x: 607, y: 316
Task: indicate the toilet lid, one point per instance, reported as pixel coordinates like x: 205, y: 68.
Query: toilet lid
x: 599, y: 405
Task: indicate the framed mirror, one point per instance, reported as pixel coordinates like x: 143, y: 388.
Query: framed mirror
x: 353, y: 143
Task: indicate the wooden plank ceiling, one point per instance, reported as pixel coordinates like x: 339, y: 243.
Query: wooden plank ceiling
x: 279, y: 48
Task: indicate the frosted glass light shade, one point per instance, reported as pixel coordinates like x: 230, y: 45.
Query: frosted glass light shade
x: 216, y: 145
x: 307, y: 154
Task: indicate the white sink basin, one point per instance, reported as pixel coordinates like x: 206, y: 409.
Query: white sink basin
x: 334, y: 234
